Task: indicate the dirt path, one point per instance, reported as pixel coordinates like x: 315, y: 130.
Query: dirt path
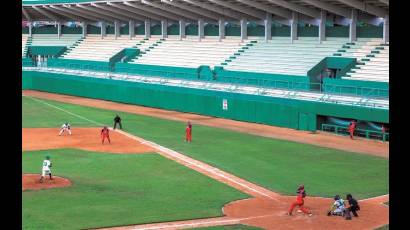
x: 32, y: 182
x: 81, y: 138
x: 365, y: 146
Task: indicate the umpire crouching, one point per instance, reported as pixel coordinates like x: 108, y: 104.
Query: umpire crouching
x: 117, y: 120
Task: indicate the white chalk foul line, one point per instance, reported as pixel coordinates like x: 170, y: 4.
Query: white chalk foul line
x: 165, y: 150
x: 190, y: 161
x: 197, y: 224
x: 56, y: 107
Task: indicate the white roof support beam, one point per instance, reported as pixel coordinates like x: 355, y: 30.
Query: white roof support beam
x: 164, y: 29
x: 322, y: 26
x: 201, y: 30
x: 374, y: 10
x: 251, y: 12
x: 119, y: 12
x: 298, y: 8
x: 105, y: 13
x: 197, y: 10
x: 160, y: 13
x: 244, y: 29
x: 221, y: 25
x: 294, y: 27
x: 147, y: 26
x: 181, y: 29
x: 131, y: 28
x: 48, y: 15
x: 84, y: 28
x: 225, y: 12
x: 180, y: 13
x: 273, y: 10
x: 26, y: 15
x: 58, y: 29
x: 329, y: 7
x: 57, y: 10
x: 352, y: 26
x: 268, y: 27
x: 386, y: 29
x: 83, y: 13
x: 136, y: 11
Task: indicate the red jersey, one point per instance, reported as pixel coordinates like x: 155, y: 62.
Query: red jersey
x: 301, y: 195
x: 352, y: 126
x: 188, y: 131
x: 105, y: 132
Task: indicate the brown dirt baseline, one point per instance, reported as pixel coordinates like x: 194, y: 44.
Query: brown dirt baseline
x: 32, y: 182
x: 365, y: 146
x: 81, y: 138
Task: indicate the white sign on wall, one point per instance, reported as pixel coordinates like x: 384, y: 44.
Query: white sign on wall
x: 224, y: 104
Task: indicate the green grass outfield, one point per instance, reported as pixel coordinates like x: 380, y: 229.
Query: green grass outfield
x: 119, y: 189
x: 275, y: 164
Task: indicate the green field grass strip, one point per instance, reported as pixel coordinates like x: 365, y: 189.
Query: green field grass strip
x: 260, y: 160
x: 189, y: 162
x: 63, y: 110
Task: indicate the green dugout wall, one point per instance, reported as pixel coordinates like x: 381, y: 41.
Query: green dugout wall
x: 291, y: 113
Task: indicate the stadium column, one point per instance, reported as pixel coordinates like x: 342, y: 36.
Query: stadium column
x: 322, y: 26
x: 131, y: 29
x: 147, y: 27
x: 116, y: 29
x: 181, y: 29
x: 103, y: 29
x: 352, y: 25
x: 294, y: 27
x: 164, y: 26
x: 386, y: 29
x: 221, y: 27
x: 84, y: 26
x: 268, y: 27
x: 244, y: 29
x: 200, y: 29
x: 59, y: 29
x: 30, y: 27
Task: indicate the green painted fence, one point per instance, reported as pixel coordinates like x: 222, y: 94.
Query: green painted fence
x: 46, y: 50
x: 284, y: 112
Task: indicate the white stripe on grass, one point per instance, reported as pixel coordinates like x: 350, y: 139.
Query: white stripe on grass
x: 58, y: 108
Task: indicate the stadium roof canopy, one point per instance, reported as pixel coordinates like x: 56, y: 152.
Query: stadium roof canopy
x: 210, y: 11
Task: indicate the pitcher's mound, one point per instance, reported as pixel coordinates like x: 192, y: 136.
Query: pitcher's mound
x: 32, y: 182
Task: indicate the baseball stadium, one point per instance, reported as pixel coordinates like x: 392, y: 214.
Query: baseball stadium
x: 205, y: 114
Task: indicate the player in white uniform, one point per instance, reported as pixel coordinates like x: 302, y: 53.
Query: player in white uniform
x: 46, y: 169
x: 338, y: 208
x: 65, y: 127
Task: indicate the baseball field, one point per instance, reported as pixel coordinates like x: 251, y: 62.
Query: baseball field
x: 149, y: 176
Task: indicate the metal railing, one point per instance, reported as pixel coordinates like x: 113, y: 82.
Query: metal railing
x: 343, y: 130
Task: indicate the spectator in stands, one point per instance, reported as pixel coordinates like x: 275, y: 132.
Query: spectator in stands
x: 352, y: 128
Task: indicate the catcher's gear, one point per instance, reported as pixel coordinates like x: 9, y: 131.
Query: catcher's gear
x: 337, y: 197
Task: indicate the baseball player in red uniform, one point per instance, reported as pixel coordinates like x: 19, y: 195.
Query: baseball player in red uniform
x: 299, y: 201
x: 351, y: 129
x: 105, y: 133
x: 188, y: 132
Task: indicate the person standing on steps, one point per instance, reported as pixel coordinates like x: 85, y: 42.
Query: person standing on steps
x: 117, y: 120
